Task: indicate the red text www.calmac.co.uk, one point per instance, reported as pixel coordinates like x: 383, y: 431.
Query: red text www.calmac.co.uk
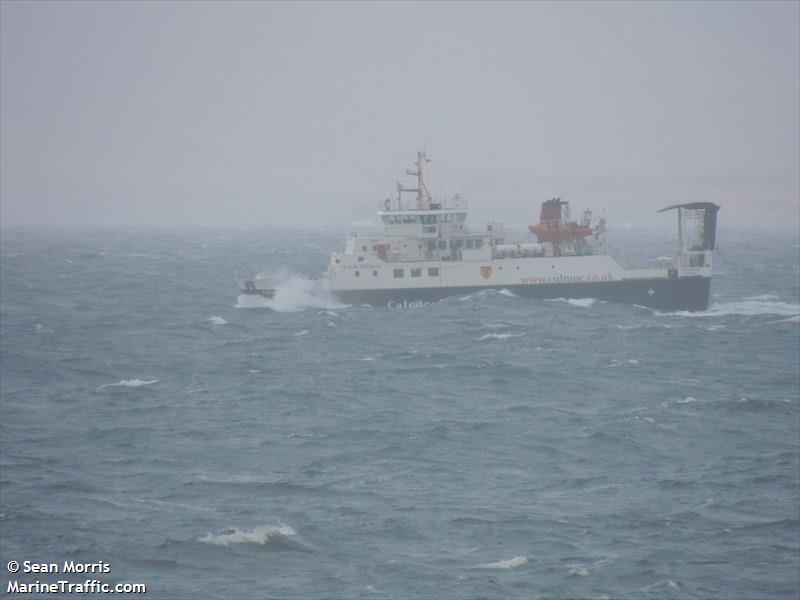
x: 569, y: 278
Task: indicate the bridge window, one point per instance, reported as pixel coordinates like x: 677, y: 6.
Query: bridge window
x: 358, y: 274
x: 469, y: 244
x: 433, y: 271
x: 398, y: 273
x: 416, y: 272
x: 442, y: 245
x: 375, y: 273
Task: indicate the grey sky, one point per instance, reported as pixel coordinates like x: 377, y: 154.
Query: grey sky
x: 273, y: 113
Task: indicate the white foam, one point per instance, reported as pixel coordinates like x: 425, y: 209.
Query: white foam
x: 633, y: 361
x: 580, y: 571
x: 763, y: 297
x: 511, y: 563
x: 293, y: 295
x: 260, y: 535
x: 367, y: 358
x: 507, y: 293
x: 216, y: 321
x: 757, y: 305
x: 794, y: 319
x: 132, y: 383
x: 499, y: 336
x: 687, y: 400
x: 301, y: 333
x: 581, y: 302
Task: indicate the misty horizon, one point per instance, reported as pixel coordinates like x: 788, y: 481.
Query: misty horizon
x: 278, y: 114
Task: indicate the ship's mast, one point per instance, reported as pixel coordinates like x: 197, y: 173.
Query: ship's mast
x: 423, y: 196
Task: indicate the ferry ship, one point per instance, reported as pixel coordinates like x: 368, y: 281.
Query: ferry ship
x: 428, y: 253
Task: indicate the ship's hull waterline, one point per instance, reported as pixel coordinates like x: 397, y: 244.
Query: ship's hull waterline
x: 685, y: 293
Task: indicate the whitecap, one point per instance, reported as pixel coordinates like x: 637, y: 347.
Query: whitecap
x: 507, y: 293
x: 367, y: 358
x: 132, y: 383
x: 499, y: 336
x: 301, y: 333
x: 581, y: 302
x: 764, y: 297
x: 215, y: 320
x: 633, y: 361
x: 511, y: 563
x: 260, y: 535
x: 794, y: 319
x: 687, y: 400
x: 757, y: 305
x: 579, y: 571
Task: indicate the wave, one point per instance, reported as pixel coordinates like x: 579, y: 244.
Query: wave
x: 131, y: 383
x: 499, y: 336
x: 301, y: 333
x: 580, y: 571
x: 293, y: 295
x: 508, y: 293
x: 511, y: 563
x: 754, y: 306
x: 581, y: 302
x: 216, y: 321
x: 615, y: 362
x: 260, y: 535
x: 794, y: 319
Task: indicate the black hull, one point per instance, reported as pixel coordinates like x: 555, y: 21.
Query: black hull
x: 687, y: 293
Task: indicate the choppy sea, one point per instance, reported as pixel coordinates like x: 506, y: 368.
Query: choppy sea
x: 485, y: 446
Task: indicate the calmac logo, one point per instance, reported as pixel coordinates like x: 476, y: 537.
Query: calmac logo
x: 486, y: 272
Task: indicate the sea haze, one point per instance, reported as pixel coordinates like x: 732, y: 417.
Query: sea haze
x: 487, y: 446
